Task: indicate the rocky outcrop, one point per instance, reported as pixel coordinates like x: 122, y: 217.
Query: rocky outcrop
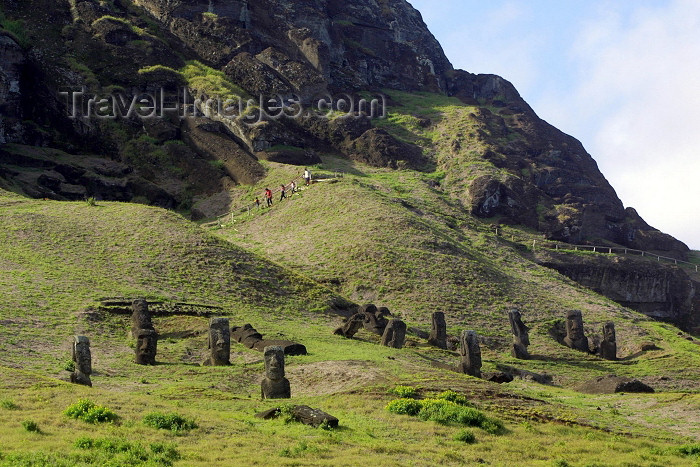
x: 12, y: 60
x: 313, y: 45
x: 659, y: 291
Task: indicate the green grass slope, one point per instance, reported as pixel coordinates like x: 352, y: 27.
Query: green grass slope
x: 59, y: 258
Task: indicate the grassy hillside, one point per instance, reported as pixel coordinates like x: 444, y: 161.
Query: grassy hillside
x: 60, y: 258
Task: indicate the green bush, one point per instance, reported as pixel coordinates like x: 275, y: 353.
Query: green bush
x: 689, y: 450
x: 465, y: 436
x: 171, y: 421
x: 8, y: 404
x: 405, y: 391
x: 116, y: 451
x: 88, y: 411
x: 446, y: 412
x: 31, y: 426
x: 404, y: 406
x: 455, y: 397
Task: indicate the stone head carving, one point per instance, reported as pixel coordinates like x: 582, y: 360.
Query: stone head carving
x: 609, y: 332
x: 574, y: 325
x: 81, y: 355
x: 520, y: 331
x: 438, y: 331
x: 575, y: 338
x: 274, y: 362
x: 140, y: 316
x: 471, y: 354
x: 394, y: 334
x: 220, y: 341
x: 146, y: 347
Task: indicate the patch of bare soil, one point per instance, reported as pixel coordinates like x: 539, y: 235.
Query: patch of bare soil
x: 680, y: 415
x: 332, y: 377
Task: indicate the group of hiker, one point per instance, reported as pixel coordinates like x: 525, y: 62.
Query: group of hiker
x: 283, y: 190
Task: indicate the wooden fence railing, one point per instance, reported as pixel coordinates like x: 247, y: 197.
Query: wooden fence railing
x: 613, y: 250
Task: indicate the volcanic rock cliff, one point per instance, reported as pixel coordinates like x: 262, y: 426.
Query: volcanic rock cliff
x: 307, y: 49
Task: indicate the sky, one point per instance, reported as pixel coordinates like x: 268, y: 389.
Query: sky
x: 621, y: 76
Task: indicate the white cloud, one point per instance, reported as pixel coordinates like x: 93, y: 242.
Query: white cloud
x: 638, y: 100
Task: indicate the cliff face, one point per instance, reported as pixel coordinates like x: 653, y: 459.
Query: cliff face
x: 12, y: 59
x: 538, y: 176
x: 311, y: 46
x: 662, y: 292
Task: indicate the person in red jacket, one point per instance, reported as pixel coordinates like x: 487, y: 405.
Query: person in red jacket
x: 268, y: 196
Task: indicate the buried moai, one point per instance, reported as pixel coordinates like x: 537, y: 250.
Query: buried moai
x: 438, y: 331
x: 394, y: 334
x: 82, y: 360
x: 575, y: 337
x: 140, y: 317
x: 351, y: 326
x: 219, y: 343
x: 471, y: 354
x: 146, y: 347
x: 608, y: 348
x: 521, y: 338
x: 275, y: 385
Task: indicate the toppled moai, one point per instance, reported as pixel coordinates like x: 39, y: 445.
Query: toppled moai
x: 140, y: 317
x: 471, y: 354
x: 82, y: 360
x: 219, y: 343
x: 575, y: 337
x: 608, y: 348
x: 248, y: 336
x: 275, y: 385
x: 303, y: 414
x: 394, y: 334
x: 375, y: 319
x: 438, y: 331
x: 146, y: 347
x: 370, y: 317
x: 521, y: 337
x: 351, y: 326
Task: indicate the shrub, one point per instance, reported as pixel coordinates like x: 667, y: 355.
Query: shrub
x: 445, y: 412
x: 31, y: 426
x: 87, y: 411
x: 405, y: 391
x: 123, y: 452
x: 455, y: 397
x: 404, y: 406
x: 465, y: 436
x: 8, y: 404
x: 689, y: 450
x: 171, y: 421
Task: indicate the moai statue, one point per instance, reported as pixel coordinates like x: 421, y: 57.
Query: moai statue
x: 140, y: 317
x: 146, y: 347
x: 521, y: 338
x: 82, y: 360
x: 375, y: 320
x: 574, y: 331
x: 275, y: 385
x: 438, y: 332
x: 471, y: 354
x: 351, y: 326
x: 608, y: 348
x: 394, y: 334
x: 219, y: 342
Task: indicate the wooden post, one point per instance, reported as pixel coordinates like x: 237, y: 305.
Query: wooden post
x: 533, y: 245
x: 610, y: 251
